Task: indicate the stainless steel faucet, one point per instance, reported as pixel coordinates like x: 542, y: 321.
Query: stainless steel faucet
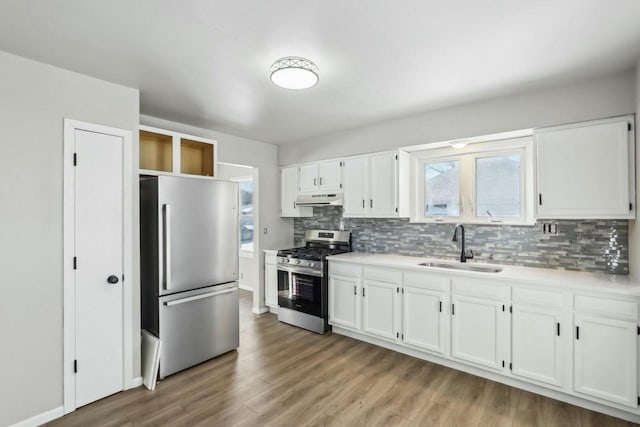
x: 465, y: 253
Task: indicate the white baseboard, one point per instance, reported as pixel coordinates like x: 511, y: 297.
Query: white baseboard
x: 260, y: 310
x: 245, y: 287
x: 136, y: 382
x: 42, y: 418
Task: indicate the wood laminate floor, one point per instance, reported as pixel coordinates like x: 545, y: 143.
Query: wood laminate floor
x: 286, y: 376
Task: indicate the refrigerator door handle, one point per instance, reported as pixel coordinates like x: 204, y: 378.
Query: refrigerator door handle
x: 197, y: 297
x: 167, y: 246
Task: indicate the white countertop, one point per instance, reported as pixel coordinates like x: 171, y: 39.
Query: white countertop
x: 271, y: 251
x: 558, y: 279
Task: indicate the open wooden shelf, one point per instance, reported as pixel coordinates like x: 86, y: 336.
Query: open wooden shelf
x: 156, y: 151
x: 196, y: 158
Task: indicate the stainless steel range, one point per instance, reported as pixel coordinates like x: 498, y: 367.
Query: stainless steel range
x: 303, y: 279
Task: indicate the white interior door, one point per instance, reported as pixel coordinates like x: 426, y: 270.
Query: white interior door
x: 98, y: 186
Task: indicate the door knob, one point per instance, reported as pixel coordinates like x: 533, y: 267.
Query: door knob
x: 112, y: 279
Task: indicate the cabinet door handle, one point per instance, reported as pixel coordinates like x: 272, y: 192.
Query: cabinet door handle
x: 371, y: 204
x: 440, y: 306
x: 540, y: 199
x: 355, y: 290
x: 362, y: 203
x: 294, y: 204
x: 314, y: 181
x: 320, y: 180
x: 558, y: 329
x: 363, y: 292
x: 577, y: 332
x: 453, y: 309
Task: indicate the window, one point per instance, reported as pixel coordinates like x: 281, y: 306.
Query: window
x: 483, y: 183
x: 498, y: 186
x: 442, y: 188
x: 246, y: 214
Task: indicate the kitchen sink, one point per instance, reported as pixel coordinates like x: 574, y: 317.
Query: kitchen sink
x: 461, y: 266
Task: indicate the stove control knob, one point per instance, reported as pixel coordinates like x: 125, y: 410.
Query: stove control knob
x: 297, y: 261
x: 285, y: 260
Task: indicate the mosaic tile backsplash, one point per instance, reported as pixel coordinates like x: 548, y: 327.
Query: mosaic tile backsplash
x: 582, y: 245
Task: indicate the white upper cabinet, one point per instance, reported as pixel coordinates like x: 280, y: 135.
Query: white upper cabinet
x: 330, y: 176
x: 320, y: 177
x: 384, y: 184
x: 377, y: 185
x: 308, y: 178
x: 586, y: 170
x: 288, y: 194
x: 355, y: 186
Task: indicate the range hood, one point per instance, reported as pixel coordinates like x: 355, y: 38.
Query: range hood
x: 334, y: 199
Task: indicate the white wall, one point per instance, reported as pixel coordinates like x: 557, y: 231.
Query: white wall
x: 35, y: 98
x: 248, y: 265
x: 634, y: 226
x: 606, y: 96
x: 263, y: 157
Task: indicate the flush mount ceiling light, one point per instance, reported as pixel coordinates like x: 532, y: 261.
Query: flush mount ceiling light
x: 459, y: 144
x: 293, y: 72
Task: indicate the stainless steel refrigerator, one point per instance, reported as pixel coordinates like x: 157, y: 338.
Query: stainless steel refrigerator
x: 189, y: 268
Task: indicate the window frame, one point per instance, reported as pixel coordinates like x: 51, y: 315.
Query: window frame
x: 467, y: 156
x: 246, y: 253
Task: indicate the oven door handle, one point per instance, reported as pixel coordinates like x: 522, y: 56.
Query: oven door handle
x: 300, y: 270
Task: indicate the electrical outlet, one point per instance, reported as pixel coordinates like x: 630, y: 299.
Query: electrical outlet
x: 549, y: 228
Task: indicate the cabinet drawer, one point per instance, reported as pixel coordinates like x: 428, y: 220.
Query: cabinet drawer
x: 431, y: 281
x: 481, y: 289
x: 270, y: 259
x: 542, y: 298
x: 342, y: 269
x: 382, y: 275
x: 609, y: 307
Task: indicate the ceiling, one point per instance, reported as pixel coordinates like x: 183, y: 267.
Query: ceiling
x: 206, y: 62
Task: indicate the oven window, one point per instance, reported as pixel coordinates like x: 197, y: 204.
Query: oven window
x: 300, y: 292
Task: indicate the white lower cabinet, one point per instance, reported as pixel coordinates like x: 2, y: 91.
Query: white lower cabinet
x: 477, y: 331
x: 605, y: 358
x: 537, y: 344
x: 519, y: 331
x: 270, y: 281
x: 380, y: 309
x: 423, y: 318
x: 344, y: 301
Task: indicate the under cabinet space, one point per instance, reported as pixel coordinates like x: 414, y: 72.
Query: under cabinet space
x: 196, y: 158
x: 156, y: 151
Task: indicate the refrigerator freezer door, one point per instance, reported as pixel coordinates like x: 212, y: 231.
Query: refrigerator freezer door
x: 198, y: 325
x: 198, y: 230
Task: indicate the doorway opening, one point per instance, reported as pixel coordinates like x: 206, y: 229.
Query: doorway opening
x: 248, y: 236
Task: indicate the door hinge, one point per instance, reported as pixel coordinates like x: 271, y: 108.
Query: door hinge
x: 75, y: 263
x: 75, y: 366
x: 75, y: 159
